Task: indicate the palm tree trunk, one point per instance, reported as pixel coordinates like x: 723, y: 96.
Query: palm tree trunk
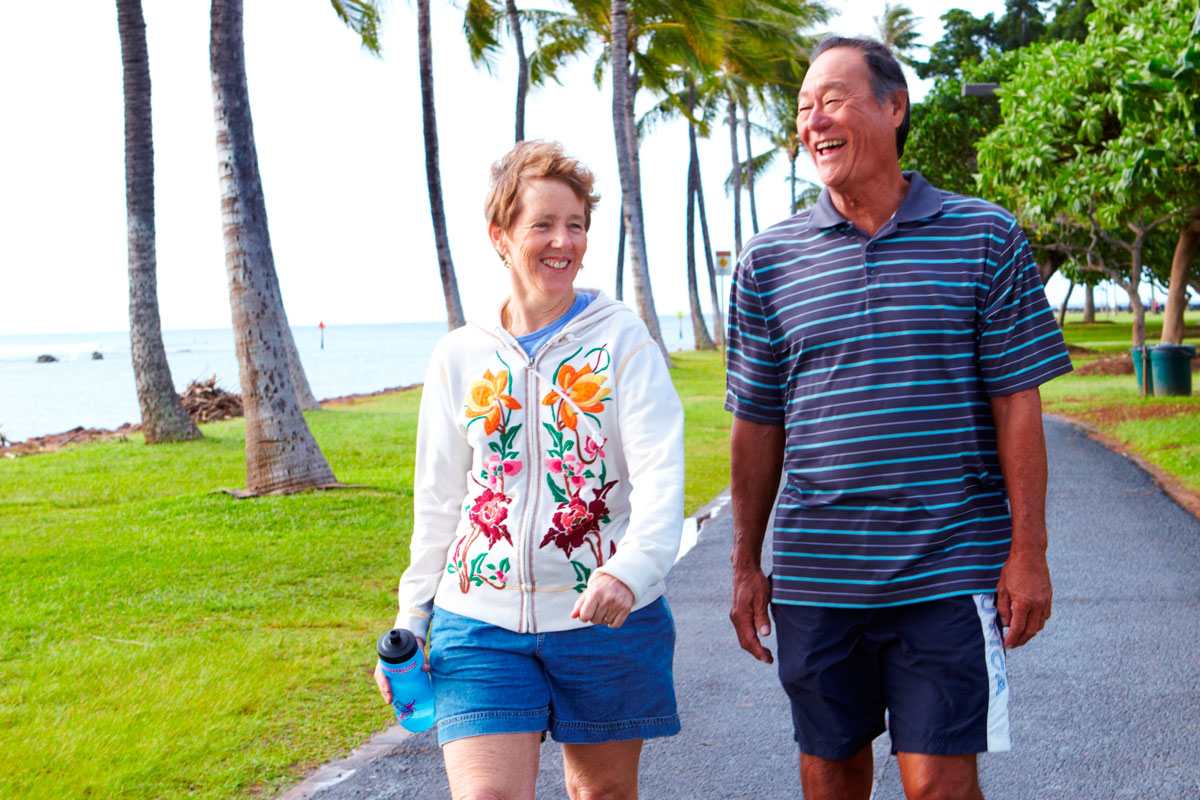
x: 304, y: 392
x: 163, y: 417
x: 281, y: 453
x: 621, y: 260
x: 630, y: 190
x: 454, y: 311
x: 718, y: 316
x: 737, y: 177
x: 750, y: 171
x: 1089, y: 303
x: 514, y: 27
x: 792, y: 155
x: 699, y: 329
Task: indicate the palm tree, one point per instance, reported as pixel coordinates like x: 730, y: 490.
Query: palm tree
x: 281, y: 453
x: 433, y: 174
x: 898, y: 31
x: 699, y: 330
x: 481, y: 24
x: 163, y: 417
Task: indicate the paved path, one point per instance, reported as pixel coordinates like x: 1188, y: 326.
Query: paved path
x: 1104, y: 702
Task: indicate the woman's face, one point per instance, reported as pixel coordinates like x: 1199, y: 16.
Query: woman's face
x: 546, y: 243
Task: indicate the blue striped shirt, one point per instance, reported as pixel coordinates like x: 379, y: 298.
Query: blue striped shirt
x: 878, y: 354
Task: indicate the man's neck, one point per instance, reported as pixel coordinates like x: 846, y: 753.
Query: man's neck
x: 871, y: 206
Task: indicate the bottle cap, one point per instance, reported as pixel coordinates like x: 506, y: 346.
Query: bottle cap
x: 396, y: 646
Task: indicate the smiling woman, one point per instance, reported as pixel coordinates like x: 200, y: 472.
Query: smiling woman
x: 548, y: 507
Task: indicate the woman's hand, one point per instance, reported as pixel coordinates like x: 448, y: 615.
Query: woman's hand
x: 381, y: 679
x: 606, y: 601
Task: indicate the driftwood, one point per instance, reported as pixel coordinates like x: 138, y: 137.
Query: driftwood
x: 204, y: 401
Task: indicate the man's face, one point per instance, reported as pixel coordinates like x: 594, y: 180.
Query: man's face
x: 850, y: 136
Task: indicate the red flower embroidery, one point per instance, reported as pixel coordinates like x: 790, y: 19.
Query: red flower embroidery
x: 488, y: 513
x: 575, y: 521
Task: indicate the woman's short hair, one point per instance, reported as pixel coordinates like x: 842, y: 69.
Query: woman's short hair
x: 528, y: 161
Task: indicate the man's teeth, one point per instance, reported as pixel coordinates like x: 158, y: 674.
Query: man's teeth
x: 828, y: 143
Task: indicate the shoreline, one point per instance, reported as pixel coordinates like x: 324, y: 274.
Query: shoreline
x: 52, y: 442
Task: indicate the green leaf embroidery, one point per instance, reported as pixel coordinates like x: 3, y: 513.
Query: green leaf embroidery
x: 582, y: 573
x: 504, y: 565
x: 559, y: 494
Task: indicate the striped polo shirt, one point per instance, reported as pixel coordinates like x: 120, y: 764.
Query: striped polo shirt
x: 878, y: 355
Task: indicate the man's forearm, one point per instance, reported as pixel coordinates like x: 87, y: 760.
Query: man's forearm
x: 1021, y: 446
x: 756, y: 463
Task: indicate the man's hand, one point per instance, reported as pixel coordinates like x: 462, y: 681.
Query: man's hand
x: 751, y: 596
x: 1023, y: 597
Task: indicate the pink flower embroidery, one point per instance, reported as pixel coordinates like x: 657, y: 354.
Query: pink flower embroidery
x: 554, y: 464
x: 488, y: 513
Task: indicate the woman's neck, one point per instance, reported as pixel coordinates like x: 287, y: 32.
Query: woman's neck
x: 521, y: 316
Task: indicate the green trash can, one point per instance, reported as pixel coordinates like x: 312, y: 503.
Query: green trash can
x: 1138, y: 354
x: 1171, y: 369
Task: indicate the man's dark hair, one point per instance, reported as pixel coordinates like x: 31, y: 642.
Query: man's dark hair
x: 886, y: 76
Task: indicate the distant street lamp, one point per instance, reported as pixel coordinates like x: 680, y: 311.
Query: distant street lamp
x: 980, y: 89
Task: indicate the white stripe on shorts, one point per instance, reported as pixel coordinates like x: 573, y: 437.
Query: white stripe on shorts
x: 998, y: 740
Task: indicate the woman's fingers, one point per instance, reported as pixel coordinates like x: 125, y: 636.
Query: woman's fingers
x: 381, y: 682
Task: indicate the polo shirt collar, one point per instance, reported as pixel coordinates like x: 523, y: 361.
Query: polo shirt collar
x: 921, y: 202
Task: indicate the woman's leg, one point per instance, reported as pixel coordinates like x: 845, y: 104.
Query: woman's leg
x: 498, y: 766
x: 605, y: 771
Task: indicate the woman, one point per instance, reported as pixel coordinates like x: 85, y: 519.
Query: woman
x: 548, y: 505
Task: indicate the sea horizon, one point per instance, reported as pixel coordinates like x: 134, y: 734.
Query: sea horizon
x: 39, y: 399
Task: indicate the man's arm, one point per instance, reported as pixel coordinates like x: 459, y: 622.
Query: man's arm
x: 756, y: 462
x: 1024, y: 592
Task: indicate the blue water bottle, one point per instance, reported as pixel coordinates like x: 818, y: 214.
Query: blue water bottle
x: 412, y: 693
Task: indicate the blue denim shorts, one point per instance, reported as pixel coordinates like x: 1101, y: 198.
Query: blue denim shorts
x: 584, y: 686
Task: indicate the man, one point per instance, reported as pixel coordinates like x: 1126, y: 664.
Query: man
x: 885, y: 349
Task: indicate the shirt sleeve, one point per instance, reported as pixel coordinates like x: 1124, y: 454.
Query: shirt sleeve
x: 752, y: 389
x: 1019, y: 343
x: 443, y: 458
x: 651, y: 424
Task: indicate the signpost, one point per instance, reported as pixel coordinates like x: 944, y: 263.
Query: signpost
x: 724, y: 267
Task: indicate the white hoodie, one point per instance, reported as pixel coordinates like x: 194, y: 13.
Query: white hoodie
x: 533, y: 474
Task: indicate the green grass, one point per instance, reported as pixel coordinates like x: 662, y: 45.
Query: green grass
x: 160, y: 639
x: 1163, y: 430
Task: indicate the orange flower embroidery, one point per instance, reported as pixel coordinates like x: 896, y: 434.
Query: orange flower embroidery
x: 584, y: 387
x: 486, y: 398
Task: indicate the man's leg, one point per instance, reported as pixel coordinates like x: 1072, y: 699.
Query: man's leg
x: 843, y: 779
x: 928, y: 777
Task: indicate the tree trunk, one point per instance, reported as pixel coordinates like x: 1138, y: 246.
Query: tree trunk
x: 1089, y: 303
x: 792, y: 179
x: 1135, y: 297
x: 163, y: 417
x: 718, y: 315
x: 454, y: 311
x: 1177, y: 293
x: 304, y: 392
x: 737, y: 177
x: 630, y: 190
x: 1051, y: 264
x: 621, y: 260
x: 281, y: 454
x: 699, y: 329
x: 514, y: 27
x: 1062, y: 311
x: 750, y: 171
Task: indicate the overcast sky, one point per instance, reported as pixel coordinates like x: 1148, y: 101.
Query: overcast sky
x: 340, y: 149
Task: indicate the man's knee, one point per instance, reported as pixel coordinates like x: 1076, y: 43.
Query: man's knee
x: 940, y: 777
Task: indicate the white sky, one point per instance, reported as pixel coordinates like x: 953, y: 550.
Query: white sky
x: 340, y: 149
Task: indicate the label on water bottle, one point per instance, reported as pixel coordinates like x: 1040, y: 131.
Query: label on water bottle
x: 405, y: 710
x: 399, y: 670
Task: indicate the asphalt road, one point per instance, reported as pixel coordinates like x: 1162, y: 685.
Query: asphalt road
x: 1104, y: 701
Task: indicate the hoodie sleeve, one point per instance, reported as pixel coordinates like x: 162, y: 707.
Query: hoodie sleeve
x: 443, y: 457
x: 650, y: 417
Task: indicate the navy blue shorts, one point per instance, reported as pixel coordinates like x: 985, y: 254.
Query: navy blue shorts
x: 936, y: 668
x: 584, y: 685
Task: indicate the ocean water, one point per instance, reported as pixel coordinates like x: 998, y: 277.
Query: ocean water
x: 36, y: 399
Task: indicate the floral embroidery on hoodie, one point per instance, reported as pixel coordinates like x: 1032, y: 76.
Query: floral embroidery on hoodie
x: 578, y: 464
x: 489, y: 399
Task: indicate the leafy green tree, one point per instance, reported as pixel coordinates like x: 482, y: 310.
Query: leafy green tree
x: 482, y: 22
x: 1076, y: 149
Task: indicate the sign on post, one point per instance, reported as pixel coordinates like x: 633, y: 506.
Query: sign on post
x: 724, y: 263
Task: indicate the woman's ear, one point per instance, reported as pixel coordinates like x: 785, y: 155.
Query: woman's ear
x: 496, y: 234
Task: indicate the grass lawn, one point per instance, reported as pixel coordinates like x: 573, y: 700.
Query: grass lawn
x: 1163, y: 430
x: 158, y: 639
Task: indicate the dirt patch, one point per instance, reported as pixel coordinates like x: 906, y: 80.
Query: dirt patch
x: 1076, y: 350
x: 1115, y: 415
x: 355, y: 399
x: 1107, y: 365
x: 56, y: 441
